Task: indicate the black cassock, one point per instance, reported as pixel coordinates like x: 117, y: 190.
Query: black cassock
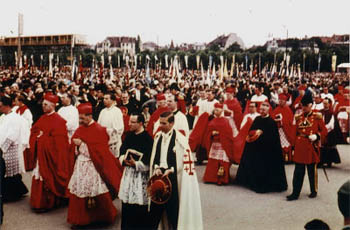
x: 262, y: 166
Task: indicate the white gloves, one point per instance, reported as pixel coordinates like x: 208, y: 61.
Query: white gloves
x: 313, y: 137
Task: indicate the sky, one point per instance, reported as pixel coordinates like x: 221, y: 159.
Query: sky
x: 183, y: 21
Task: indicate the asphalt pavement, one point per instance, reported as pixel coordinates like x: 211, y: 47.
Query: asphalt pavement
x: 224, y: 207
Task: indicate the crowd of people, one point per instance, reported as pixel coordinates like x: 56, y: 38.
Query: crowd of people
x: 135, y: 135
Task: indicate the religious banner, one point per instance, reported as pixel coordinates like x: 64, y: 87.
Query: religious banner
x: 232, y: 65
x: 334, y: 62
x: 32, y: 58
x: 166, y: 61
x: 50, y: 63
x: 197, y: 59
x: 225, y: 69
x: 135, y: 60
x: 186, y: 61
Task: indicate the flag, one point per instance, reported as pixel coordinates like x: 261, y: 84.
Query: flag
x: 80, y: 64
x: 111, y: 76
x: 41, y: 62
x: 16, y: 59
x: 118, y: 61
x: 246, y: 62
x: 334, y: 62
x: 127, y: 60
x: 32, y: 58
x: 225, y: 69
x: 148, y: 75
x: 221, y: 73
x: 25, y: 61
x: 232, y: 65
x: 251, y: 69
x: 213, y: 74
x: 57, y: 60
x: 135, y: 59
x: 197, y: 59
x: 210, y: 61
x: 166, y: 61
x: 155, y: 58
x: 73, y: 41
x: 73, y: 69
x: 319, y: 62
x: 92, y: 70
x: 202, y: 72
x: 186, y: 61
x: 50, y: 63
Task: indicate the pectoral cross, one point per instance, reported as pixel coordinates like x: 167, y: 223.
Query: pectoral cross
x: 188, y: 161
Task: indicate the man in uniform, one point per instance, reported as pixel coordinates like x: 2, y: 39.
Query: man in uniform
x: 171, y: 156
x: 310, y: 130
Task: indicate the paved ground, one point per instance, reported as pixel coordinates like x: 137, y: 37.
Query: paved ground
x: 225, y: 207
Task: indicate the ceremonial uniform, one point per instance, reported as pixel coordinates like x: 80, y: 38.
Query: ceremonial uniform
x: 307, y: 150
x: 171, y: 150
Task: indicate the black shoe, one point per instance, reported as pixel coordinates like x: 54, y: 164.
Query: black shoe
x: 292, y: 197
x: 313, y: 195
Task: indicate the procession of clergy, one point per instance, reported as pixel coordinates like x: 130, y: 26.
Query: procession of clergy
x: 144, y: 154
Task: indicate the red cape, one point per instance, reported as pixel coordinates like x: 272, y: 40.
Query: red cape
x: 236, y: 107
x: 51, y: 151
x: 239, y: 141
x: 287, y: 121
x: 197, y: 135
x: 96, y: 138
x: 154, y: 118
x: 222, y: 125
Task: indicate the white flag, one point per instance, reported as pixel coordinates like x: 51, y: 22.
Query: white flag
x: 135, y: 60
x: 50, y: 63
x: 197, y: 59
x: 334, y: 62
x: 166, y: 61
x: 186, y: 61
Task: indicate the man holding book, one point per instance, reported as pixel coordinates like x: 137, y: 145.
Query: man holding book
x: 135, y: 156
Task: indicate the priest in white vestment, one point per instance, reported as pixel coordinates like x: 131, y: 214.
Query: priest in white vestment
x: 111, y: 117
x: 69, y: 113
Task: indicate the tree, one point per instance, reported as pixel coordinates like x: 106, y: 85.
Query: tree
x: 235, y: 47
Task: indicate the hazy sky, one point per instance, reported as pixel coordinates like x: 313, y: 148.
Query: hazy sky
x: 255, y: 21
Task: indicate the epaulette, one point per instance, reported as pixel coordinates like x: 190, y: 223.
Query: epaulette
x: 297, y: 116
x: 317, y: 115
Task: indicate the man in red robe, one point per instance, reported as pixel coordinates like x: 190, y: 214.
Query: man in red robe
x: 283, y: 116
x: 297, y: 106
x: 342, y: 113
x: 233, y: 110
x: 49, y: 152
x: 161, y: 103
x: 219, y: 145
x: 96, y: 176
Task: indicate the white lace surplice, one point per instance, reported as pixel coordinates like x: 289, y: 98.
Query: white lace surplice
x: 86, y: 181
x: 10, y: 155
x: 133, y: 186
x: 217, y: 152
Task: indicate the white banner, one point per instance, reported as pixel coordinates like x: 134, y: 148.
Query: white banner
x: 197, y: 59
